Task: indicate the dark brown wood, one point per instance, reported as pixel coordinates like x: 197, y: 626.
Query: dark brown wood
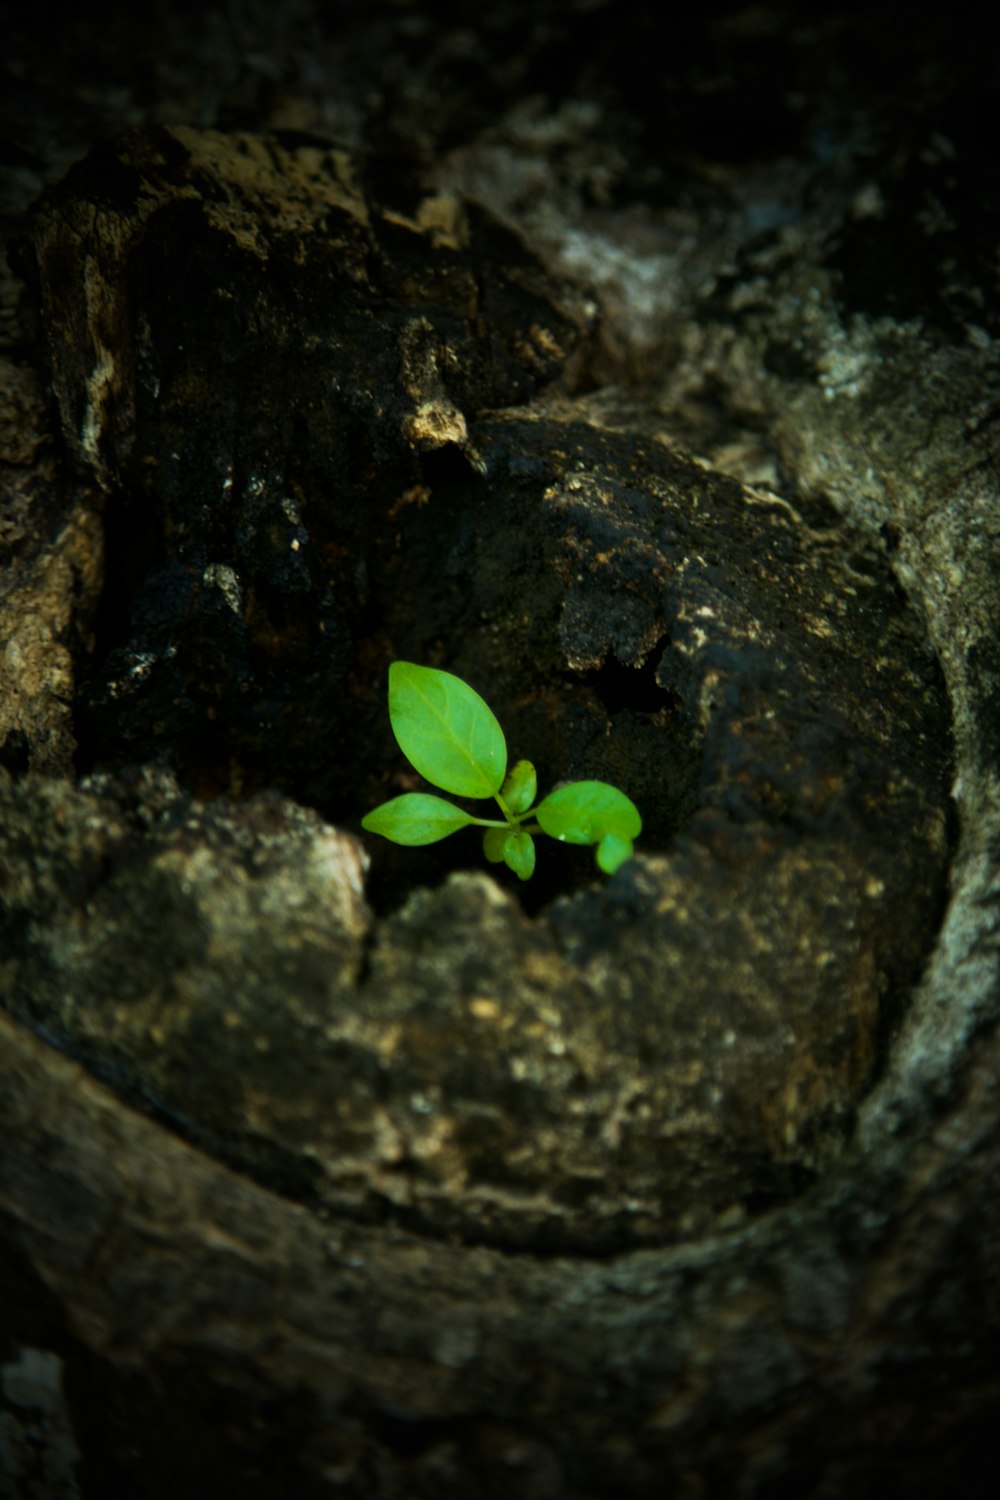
x: 325, y: 1171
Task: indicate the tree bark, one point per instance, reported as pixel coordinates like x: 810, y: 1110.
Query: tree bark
x: 328, y: 1171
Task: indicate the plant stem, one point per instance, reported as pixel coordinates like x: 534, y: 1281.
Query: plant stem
x: 511, y: 819
x: 514, y: 821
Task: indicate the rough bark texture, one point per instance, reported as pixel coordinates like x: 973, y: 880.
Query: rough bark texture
x: 529, y: 349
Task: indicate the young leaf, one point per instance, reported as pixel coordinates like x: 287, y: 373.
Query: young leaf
x: 515, y: 850
x: 520, y: 787
x: 519, y: 854
x: 415, y: 818
x: 494, y: 840
x: 446, y: 731
x: 612, y: 851
x: 585, y: 812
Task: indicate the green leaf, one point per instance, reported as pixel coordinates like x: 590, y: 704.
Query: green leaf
x: 520, y: 787
x: 446, y: 731
x: 494, y: 840
x: 585, y: 812
x: 515, y: 850
x: 416, y: 818
x: 519, y: 854
x: 612, y: 851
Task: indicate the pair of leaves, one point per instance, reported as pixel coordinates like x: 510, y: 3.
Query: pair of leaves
x: 451, y: 736
x: 592, y: 812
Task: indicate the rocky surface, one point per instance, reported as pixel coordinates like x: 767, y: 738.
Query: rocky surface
x: 686, y: 1179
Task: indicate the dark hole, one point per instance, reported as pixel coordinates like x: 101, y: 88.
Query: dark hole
x: 14, y: 752
x: 634, y: 688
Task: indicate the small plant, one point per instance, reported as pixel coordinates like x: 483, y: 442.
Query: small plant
x: 452, y: 738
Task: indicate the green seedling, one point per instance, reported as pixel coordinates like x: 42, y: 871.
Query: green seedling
x: 451, y: 736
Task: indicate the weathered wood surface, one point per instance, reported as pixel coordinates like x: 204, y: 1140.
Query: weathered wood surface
x: 683, y: 1184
